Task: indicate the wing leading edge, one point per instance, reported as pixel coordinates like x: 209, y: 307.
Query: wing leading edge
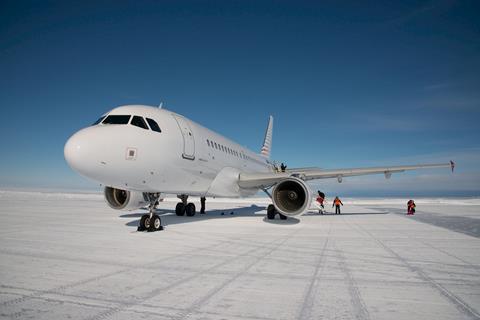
x: 265, y: 180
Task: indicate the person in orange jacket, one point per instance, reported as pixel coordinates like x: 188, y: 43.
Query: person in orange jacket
x: 337, y: 202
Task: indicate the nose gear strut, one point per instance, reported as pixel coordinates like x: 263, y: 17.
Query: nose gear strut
x: 151, y: 222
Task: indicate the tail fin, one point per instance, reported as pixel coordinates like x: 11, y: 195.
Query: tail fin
x: 267, y: 142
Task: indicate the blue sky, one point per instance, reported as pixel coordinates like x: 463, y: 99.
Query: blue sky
x: 349, y: 83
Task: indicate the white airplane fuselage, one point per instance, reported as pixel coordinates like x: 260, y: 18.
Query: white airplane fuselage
x: 184, y: 158
x: 139, y: 153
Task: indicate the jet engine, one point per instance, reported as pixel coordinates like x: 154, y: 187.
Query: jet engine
x: 125, y: 200
x: 291, y: 196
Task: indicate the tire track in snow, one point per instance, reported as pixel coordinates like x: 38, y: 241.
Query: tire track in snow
x: 311, y: 291
x: 112, y: 311
x: 359, y: 306
x: 466, y: 263
x: 198, y: 304
x: 60, y: 289
x: 456, y: 301
x: 460, y: 224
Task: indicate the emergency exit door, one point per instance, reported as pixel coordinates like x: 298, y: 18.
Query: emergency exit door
x: 188, y: 139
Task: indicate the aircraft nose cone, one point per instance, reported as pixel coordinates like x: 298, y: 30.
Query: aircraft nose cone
x: 76, y: 151
x: 72, y: 150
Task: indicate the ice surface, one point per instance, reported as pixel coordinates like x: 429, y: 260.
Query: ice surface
x: 71, y: 256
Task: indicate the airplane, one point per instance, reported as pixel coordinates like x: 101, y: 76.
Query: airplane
x: 140, y: 152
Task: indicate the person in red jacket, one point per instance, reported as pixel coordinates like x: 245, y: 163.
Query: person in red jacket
x: 411, y: 207
x: 337, y: 202
x: 320, y: 200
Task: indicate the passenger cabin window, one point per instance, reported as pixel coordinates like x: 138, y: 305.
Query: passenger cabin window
x: 139, y: 122
x: 98, y: 121
x: 153, y: 125
x: 116, y: 119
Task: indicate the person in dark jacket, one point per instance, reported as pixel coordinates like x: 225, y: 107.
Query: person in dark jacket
x: 336, y: 203
x: 283, y: 167
x: 320, y: 200
x: 202, y: 203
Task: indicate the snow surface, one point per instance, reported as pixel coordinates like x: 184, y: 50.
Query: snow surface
x: 71, y: 256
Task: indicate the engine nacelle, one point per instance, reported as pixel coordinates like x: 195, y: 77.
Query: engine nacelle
x: 125, y: 200
x: 291, y: 196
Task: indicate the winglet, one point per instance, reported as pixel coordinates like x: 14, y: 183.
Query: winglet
x: 452, y: 165
x: 267, y: 142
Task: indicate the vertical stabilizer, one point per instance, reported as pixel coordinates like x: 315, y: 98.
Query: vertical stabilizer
x: 267, y: 142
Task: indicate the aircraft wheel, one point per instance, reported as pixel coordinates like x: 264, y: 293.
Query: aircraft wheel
x: 144, y: 223
x: 190, y: 210
x: 271, y: 212
x: 155, y: 223
x: 180, y: 209
x: 282, y: 216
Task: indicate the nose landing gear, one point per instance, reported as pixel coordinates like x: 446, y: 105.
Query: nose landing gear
x: 151, y: 222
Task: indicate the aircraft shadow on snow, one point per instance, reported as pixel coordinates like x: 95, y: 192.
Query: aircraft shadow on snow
x: 315, y: 213
x: 169, y: 217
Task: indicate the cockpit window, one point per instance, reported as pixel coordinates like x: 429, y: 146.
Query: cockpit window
x: 139, y: 122
x: 116, y: 119
x: 153, y: 125
x: 98, y: 121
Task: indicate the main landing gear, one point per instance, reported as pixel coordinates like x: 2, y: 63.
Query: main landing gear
x: 185, y: 208
x: 271, y: 212
x: 151, y: 222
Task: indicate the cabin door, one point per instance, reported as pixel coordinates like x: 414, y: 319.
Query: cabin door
x: 188, y: 139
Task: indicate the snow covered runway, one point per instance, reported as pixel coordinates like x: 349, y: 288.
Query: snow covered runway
x: 70, y: 256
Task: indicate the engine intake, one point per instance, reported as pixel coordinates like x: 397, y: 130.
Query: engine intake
x: 291, y: 196
x: 124, y: 199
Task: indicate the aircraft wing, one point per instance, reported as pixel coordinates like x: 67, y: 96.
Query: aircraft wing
x: 265, y: 180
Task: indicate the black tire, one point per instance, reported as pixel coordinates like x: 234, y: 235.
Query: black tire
x: 180, y: 209
x: 144, y: 223
x: 271, y: 212
x: 141, y: 225
x: 282, y: 216
x: 190, y: 210
x: 155, y: 223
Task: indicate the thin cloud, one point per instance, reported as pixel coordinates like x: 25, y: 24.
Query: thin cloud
x: 442, y: 181
x: 453, y: 104
x: 469, y: 157
x: 390, y: 123
x: 437, y: 86
x: 427, y: 8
